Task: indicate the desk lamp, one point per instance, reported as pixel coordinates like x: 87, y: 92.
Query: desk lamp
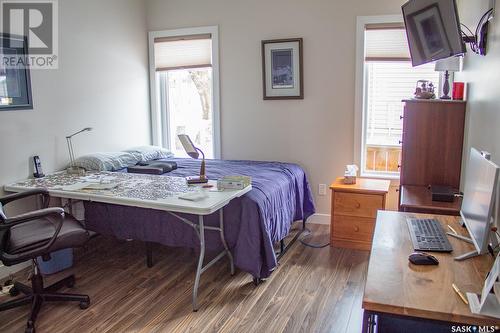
x: 72, y: 168
x: 192, y: 151
x: 451, y: 64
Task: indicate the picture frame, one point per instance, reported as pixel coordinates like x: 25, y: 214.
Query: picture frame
x: 282, y: 69
x: 428, y: 24
x: 15, y: 78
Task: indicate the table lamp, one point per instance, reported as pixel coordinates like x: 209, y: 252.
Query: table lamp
x: 72, y: 168
x: 451, y: 64
x: 192, y: 151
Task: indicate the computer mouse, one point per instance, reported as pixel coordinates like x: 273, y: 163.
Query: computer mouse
x: 422, y: 258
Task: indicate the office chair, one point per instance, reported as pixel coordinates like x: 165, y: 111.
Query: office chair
x: 38, y: 233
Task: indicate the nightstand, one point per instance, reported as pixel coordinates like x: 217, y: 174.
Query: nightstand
x: 354, y: 209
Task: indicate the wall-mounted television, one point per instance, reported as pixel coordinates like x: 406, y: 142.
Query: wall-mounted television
x: 433, y: 30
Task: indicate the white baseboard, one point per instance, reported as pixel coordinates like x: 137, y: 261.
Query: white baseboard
x: 6, y: 271
x: 319, y: 219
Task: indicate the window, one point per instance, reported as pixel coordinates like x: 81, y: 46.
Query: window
x: 185, y: 98
x: 388, y: 78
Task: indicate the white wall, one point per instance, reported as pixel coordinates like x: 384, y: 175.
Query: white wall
x: 481, y: 74
x: 102, y: 82
x: 316, y: 132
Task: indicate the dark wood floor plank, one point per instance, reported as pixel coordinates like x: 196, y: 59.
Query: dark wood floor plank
x: 339, y: 318
x: 312, y: 290
x: 275, y: 315
x: 272, y: 293
x: 332, y: 290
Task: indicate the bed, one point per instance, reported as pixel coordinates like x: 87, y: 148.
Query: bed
x: 280, y: 195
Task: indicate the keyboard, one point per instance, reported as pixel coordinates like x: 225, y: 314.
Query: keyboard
x: 427, y: 235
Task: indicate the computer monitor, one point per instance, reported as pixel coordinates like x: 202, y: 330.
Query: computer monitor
x: 479, y: 200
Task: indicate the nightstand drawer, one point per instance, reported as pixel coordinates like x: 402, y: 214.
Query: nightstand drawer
x: 355, y: 204
x: 353, y: 228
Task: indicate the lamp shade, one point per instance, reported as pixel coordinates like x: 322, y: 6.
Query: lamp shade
x: 451, y: 64
x: 86, y: 129
x: 189, y: 146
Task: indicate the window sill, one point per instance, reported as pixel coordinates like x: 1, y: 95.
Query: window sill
x: 380, y: 175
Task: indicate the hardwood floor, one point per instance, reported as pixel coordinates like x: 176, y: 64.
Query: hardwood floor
x: 312, y: 290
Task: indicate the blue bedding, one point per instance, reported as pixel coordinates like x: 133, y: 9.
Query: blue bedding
x: 253, y: 223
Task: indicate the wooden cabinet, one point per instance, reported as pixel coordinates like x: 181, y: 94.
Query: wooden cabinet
x: 354, y: 209
x: 433, y: 135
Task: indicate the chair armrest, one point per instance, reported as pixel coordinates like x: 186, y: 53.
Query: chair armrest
x: 56, y: 212
x: 16, y: 196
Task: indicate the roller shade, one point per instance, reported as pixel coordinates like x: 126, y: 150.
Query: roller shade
x: 183, y: 52
x: 386, y: 42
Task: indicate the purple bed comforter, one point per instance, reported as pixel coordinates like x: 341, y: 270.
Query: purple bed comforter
x: 263, y: 216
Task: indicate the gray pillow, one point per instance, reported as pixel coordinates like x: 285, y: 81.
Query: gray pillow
x: 149, y: 153
x: 111, y: 161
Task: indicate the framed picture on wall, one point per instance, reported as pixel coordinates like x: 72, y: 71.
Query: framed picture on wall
x: 282, y: 72
x: 15, y: 80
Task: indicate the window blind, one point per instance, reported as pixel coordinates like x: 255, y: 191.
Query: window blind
x: 183, y: 52
x: 388, y: 83
x: 386, y: 42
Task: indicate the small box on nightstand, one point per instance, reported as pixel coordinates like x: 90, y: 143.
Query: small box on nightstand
x: 354, y: 209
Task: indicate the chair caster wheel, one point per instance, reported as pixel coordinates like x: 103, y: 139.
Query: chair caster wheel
x: 13, y: 292
x: 71, y: 282
x: 84, y: 305
x: 30, y: 328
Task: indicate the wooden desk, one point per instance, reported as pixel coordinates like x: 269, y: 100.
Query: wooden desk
x: 418, y: 199
x: 397, y: 288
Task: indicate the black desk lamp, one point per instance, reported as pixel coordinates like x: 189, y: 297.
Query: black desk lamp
x: 193, y: 152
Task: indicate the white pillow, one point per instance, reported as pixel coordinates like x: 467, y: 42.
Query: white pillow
x: 111, y: 161
x: 149, y: 153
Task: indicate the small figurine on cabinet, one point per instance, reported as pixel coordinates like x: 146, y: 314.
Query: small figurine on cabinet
x: 424, y: 90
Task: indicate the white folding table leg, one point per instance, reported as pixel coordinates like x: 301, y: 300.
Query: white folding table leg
x: 200, y: 231
x: 223, y: 239
x: 200, y: 262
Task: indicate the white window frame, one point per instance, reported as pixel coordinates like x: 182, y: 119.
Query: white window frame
x: 159, y: 123
x: 360, y: 92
